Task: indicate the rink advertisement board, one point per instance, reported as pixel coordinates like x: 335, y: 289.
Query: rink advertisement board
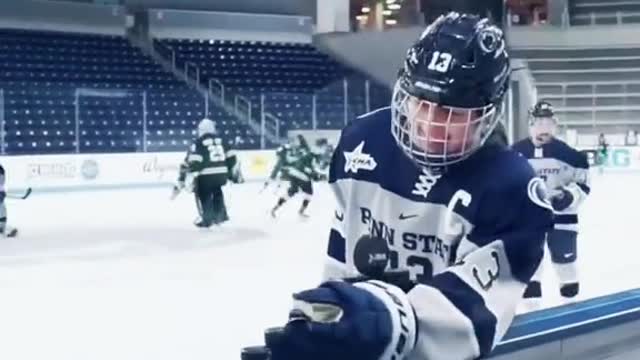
x: 87, y: 171
x: 618, y: 158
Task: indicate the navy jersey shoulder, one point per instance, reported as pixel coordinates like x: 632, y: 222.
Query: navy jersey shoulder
x: 556, y: 149
x: 509, y: 185
x: 568, y: 154
x: 524, y: 147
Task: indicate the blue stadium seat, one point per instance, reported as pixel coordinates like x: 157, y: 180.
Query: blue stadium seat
x: 254, y: 68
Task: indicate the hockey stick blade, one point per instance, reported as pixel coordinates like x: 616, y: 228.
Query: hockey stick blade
x: 174, y: 193
x: 20, y: 197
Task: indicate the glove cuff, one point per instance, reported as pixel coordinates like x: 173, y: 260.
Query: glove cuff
x: 403, y: 336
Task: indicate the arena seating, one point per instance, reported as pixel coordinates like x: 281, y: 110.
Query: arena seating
x: 289, y: 75
x: 604, y: 12
x: 127, y: 102
x: 42, y: 73
x: 586, y: 85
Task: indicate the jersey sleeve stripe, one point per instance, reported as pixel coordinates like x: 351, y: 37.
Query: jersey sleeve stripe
x: 442, y: 327
x: 337, y: 246
x: 472, y: 305
x: 194, y: 158
x: 212, y: 170
x: 566, y: 227
x: 565, y: 219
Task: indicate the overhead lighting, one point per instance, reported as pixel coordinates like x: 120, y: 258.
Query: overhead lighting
x: 366, y: 9
x: 390, y: 1
x: 390, y: 21
x: 361, y: 17
x: 386, y: 12
x: 394, y: 6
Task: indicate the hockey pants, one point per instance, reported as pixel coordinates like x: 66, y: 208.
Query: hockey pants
x: 210, y: 201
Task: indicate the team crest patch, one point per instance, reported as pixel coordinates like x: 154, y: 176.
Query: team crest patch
x: 358, y: 160
x: 538, y: 193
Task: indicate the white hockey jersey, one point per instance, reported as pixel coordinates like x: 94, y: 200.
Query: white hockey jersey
x: 471, y: 238
x: 561, y: 166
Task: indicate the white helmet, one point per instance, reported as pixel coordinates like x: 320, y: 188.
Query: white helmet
x: 206, y: 126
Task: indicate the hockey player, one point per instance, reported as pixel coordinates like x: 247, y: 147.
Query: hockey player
x: 603, y: 151
x: 603, y: 145
x: 323, y: 158
x: 5, y: 230
x: 300, y: 172
x: 566, y: 173
x: 282, y: 154
x: 211, y: 165
x: 458, y: 209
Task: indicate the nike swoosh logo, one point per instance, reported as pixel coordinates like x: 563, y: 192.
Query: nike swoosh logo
x: 405, y: 217
x: 340, y: 217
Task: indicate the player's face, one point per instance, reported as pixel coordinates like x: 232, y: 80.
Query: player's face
x: 542, y: 130
x: 435, y: 135
x: 440, y: 130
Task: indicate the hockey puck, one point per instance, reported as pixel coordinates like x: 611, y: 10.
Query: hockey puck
x: 371, y: 256
x: 255, y: 353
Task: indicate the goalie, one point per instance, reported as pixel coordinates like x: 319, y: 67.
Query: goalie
x: 210, y: 165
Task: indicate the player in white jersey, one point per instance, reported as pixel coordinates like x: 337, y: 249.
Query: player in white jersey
x: 566, y: 172
x: 453, y: 206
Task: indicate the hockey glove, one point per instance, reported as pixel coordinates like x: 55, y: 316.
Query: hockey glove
x: 341, y: 321
x: 562, y: 200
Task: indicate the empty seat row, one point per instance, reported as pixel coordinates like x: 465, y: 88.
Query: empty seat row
x: 127, y: 97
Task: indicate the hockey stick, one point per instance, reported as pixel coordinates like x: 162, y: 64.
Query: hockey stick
x: 175, y: 191
x: 264, y: 187
x: 20, y: 197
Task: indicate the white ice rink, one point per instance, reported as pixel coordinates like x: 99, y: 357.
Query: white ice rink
x: 124, y: 275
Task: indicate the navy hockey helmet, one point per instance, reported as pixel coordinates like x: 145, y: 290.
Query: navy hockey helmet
x: 543, y: 123
x: 448, y: 95
x: 542, y: 109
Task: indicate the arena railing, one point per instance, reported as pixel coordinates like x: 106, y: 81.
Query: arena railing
x: 605, y: 327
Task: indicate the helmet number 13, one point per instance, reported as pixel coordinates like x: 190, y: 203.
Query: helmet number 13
x: 440, y: 61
